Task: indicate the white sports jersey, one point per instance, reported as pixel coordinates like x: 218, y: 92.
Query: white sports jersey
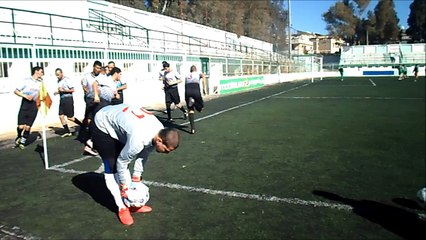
x: 66, y: 84
x: 161, y: 75
x: 134, y: 127
x: 87, y: 81
x: 30, y: 86
x: 193, y: 77
x: 107, y: 87
x: 171, y: 78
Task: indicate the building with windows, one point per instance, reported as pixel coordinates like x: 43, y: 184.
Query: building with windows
x: 314, y: 43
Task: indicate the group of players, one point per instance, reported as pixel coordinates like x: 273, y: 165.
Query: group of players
x: 115, y: 131
x: 402, y: 72
x: 102, y: 86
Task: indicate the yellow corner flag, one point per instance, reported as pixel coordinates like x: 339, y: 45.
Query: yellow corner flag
x: 45, y: 98
x: 43, y: 104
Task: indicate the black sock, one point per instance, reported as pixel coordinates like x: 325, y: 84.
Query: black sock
x: 19, y: 131
x: 25, y: 136
x: 182, y: 109
x: 67, y: 130
x: 169, y: 115
x: 191, y: 120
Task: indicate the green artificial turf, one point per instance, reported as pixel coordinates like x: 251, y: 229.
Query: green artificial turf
x: 332, y: 142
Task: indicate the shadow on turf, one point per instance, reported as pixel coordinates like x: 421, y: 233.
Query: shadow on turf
x: 172, y: 124
x: 94, y: 184
x: 401, y: 222
x: 408, y: 203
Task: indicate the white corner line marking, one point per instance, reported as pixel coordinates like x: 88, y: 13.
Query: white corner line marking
x: 233, y: 194
x: 247, y: 103
x: 374, y: 84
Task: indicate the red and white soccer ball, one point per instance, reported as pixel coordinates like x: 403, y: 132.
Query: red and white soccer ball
x: 137, y: 195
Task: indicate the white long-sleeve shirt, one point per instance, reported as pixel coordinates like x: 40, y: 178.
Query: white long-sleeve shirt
x: 134, y: 127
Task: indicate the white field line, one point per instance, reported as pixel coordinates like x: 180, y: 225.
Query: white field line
x: 233, y: 194
x: 294, y: 201
x: 72, y: 162
x: 345, y: 85
x: 362, y: 98
x: 246, y: 104
x: 374, y: 84
x: 14, y: 233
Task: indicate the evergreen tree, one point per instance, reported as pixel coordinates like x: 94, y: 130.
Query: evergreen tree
x: 260, y: 19
x: 387, y: 30
x: 416, y: 21
x: 341, y: 21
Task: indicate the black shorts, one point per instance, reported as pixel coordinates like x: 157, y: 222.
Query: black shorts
x: 108, y: 148
x: 27, y: 112
x: 66, y: 106
x: 90, y: 108
x: 172, y: 95
x: 116, y: 101
x: 98, y: 106
x: 193, y: 90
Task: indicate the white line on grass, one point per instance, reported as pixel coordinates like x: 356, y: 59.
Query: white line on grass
x: 14, y: 233
x: 374, y: 84
x: 257, y: 197
x: 248, y: 103
x: 72, y: 162
x: 363, y: 98
x: 294, y: 201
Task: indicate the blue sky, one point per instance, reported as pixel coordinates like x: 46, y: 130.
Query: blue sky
x: 306, y: 14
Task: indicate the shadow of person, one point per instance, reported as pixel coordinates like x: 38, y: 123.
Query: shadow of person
x: 408, y: 203
x: 57, y: 130
x: 33, y: 137
x: 94, y: 184
x: 173, y: 124
x: 40, y: 150
x: 397, y: 220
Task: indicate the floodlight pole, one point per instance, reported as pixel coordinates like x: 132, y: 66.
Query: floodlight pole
x: 289, y: 30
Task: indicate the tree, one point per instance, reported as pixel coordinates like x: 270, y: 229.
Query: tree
x: 386, y: 26
x: 341, y: 21
x: 416, y: 21
x: 261, y: 19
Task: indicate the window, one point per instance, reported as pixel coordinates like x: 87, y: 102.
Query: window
x: 80, y: 66
x: 126, y: 66
x: 4, y: 69
x: 39, y: 64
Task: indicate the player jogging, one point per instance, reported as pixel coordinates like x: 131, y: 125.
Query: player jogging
x: 341, y: 73
x: 171, y: 79
x: 87, y: 84
x: 29, y: 90
x: 193, y: 98
x: 105, y: 89
x: 122, y: 134
x: 416, y: 72
x: 66, y: 102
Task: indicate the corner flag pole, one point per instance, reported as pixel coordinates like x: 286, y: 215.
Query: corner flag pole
x: 43, y: 108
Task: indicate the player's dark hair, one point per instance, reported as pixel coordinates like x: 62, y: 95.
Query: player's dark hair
x: 35, y: 69
x: 97, y: 63
x: 115, y: 70
x: 170, y: 137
